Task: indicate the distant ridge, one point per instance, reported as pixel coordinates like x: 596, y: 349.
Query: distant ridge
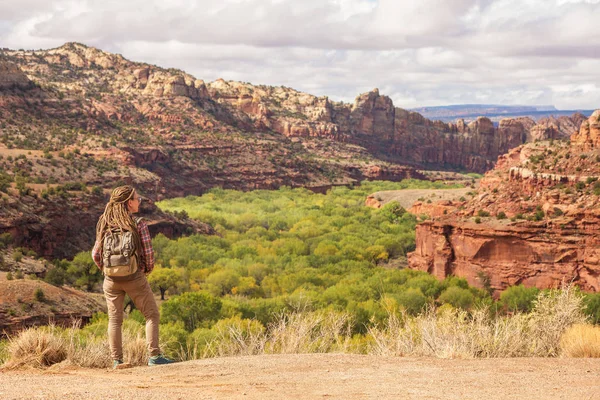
x: 495, y: 112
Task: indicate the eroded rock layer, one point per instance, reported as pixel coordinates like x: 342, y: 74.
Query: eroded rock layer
x: 535, y: 220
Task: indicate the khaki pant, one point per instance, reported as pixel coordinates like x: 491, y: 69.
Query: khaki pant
x: 141, y: 294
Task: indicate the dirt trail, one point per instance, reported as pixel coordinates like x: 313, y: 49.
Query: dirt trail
x: 318, y: 376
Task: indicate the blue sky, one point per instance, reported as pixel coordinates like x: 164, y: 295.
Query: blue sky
x: 427, y: 52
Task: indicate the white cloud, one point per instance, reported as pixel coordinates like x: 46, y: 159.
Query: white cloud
x: 426, y: 52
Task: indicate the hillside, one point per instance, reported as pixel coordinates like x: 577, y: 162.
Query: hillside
x: 534, y: 220
x: 76, y: 118
x: 310, y: 376
x: 20, y: 307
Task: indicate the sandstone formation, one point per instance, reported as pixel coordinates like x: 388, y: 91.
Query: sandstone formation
x: 589, y: 134
x: 535, y: 220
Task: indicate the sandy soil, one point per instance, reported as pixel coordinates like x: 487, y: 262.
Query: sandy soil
x: 318, y: 376
x: 408, y: 197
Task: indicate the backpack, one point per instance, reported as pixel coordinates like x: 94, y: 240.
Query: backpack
x: 118, y: 253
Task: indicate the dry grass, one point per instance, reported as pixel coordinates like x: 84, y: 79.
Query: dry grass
x: 236, y: 337
x: 553, y: 328
x: 581, y: 340
x: 45, y: 346
x: 37, y: 348
x: 453, y: 333
x: 310, y: 332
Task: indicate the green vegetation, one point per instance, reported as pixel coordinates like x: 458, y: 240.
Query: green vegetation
x: 291, y: 249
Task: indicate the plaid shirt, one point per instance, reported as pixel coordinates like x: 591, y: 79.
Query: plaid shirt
x: 147, y: 253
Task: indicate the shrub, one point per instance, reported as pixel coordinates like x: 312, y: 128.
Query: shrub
x: 97, y: 191
x: 56, y: 276
x: 9, y: 276
x: 518, y: 298
x: 6, y: 238
x: 39, y: 295
x: 591, y: 302
x: 501, y: 215
x: 483, y: 213
x: 457, y: 297
x: 412, y: 300
x: 17, y: 255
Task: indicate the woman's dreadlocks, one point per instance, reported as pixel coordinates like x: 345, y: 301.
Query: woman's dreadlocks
x: 117, y: 217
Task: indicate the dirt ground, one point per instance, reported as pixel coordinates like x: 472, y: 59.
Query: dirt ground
x: 318, y: 376
x: 408, y: 197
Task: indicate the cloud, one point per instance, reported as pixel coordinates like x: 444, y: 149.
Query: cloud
x: 429, y: 52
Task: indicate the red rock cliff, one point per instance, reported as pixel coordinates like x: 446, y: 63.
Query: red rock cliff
x: 535, y: 220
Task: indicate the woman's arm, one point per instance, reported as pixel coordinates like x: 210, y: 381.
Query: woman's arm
x: 97, y: 256
x: 147, y: 252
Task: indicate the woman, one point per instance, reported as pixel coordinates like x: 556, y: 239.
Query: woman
x: 117, y: 216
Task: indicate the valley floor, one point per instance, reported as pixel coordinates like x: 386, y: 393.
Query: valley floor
x: 318, y: 376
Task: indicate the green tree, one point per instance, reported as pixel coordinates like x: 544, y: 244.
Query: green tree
x: 163, y: 279
x: 195, y: 309
x: 393, y: 211
x: 83, y: 272
x: 457, y: 297
x: 222, y: 281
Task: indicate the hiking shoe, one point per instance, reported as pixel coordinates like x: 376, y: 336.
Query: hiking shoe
x: 159, y: 360
x: 119, y: 364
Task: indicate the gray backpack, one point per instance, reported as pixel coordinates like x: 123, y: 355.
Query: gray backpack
x: 119, y: 254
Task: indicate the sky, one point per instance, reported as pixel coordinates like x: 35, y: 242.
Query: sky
x: 418, y: 52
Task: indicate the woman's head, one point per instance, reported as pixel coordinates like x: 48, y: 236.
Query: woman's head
x: 127, y: 198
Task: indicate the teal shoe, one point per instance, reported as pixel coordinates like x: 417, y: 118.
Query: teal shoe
x: 159, y: 360
x: 116, y: 363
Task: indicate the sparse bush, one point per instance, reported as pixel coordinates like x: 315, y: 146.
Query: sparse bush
x: 39, y: 295
x: 17, y: 255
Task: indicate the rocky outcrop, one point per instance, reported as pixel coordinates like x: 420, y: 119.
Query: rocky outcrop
x: 535, y: 221
x: 589, y: 134
x: 543, y: 254
x: 11, y: 76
